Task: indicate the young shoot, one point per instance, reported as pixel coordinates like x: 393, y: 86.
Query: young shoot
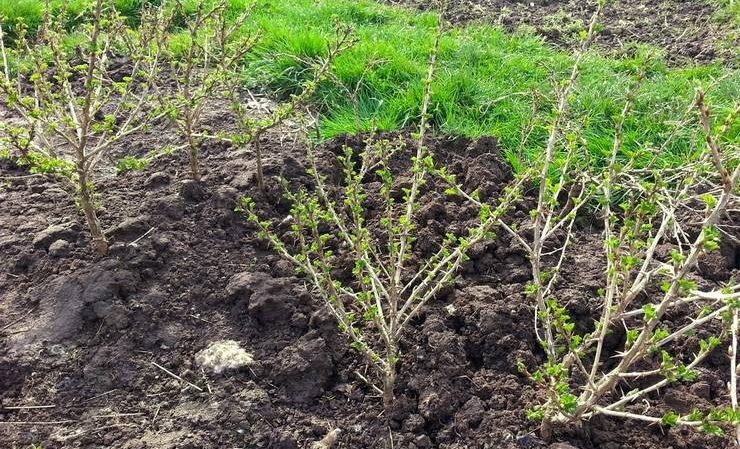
x: 203, y: 61
x: 250, y: 129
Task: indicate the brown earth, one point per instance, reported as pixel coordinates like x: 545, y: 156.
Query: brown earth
x: 81, y: 334
x: 687, y: 30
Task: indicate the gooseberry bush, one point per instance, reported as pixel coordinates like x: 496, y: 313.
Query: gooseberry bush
x: 202, y: 59
x: 72, y: 106
x: 250, y: 128
x: 658, y: 211
x: 375, y: 306
x: 645, y: 210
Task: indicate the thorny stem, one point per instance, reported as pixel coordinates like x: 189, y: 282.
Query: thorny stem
x: 100, y: 243
x: 418, y: 172
x: 627, y: 398
x: 711, y: 142
x: 611, y: 256
x: 541, y: 216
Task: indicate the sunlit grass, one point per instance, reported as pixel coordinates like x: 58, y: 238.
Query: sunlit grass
x: 486, y: 84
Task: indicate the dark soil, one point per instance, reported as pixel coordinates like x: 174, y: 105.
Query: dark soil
x: 81, y: 334
x: 687, y: 30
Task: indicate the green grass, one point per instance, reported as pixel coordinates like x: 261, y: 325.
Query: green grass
x: 485, y: 78
x: 31, y: 12
x: 485, y: 83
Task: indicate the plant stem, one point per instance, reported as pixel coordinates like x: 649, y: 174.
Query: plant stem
x: 87, y: 203
x: 258, y: 155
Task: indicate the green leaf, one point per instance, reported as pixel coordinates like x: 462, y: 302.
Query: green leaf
x: 670, y: 419
x: 649, y: 312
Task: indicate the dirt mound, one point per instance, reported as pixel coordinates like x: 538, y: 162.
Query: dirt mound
x: 109, y: 344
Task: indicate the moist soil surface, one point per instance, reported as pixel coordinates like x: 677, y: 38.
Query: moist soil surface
x: 686, y: 30
x: 87, y: 339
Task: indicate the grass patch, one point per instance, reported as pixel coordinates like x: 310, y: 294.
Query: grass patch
x: 486, y: 81
x: 30, y: 13
x: 486, y: 78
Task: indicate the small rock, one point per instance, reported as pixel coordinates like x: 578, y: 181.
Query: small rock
x: 65, y: 231
x: 158, y: 179
x: 171, y: 206
x: 192, y: 191
x: 60, y: 248
x: 223, y: 355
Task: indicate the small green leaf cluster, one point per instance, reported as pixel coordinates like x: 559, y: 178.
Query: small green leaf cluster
x: 48, y: 165
x: 131, y: 163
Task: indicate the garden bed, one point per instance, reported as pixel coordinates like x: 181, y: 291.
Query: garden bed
x: 81, y: 334
x: 107, y: 338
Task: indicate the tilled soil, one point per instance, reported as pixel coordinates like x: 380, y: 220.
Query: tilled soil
x: 80, y: 335
x: 687, y: 30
